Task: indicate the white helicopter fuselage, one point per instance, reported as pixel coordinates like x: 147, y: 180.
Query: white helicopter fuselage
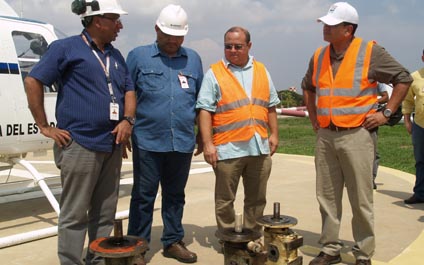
x: 23, y: 42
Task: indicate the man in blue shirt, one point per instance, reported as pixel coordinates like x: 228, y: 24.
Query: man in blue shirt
x: 95, y: 110
x: 167, y: 79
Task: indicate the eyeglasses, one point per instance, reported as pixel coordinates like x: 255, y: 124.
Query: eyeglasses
x: 115, y: 20
x: 237, y: 47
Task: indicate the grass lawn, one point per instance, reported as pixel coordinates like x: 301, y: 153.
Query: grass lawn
x: 394, y: 143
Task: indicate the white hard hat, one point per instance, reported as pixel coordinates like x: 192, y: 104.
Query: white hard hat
x: 338, y: 13
x: 99, y: 7
x: 172, y: 20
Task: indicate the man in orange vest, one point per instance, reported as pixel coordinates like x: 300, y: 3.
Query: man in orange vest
x: 238, y: 125
x: 340, y: 89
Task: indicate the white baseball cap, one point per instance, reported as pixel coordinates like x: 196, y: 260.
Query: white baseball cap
x: 340, y: 12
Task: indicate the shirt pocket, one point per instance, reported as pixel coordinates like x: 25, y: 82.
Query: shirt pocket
x: 191, y: 80
x: 151, y: 80
x: 117, y: 76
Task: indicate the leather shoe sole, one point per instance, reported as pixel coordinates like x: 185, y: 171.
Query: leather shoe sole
x: 413, y: 200
x: 325, y: 259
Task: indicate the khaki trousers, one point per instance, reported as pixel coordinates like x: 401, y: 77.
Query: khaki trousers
x: 345, y: 158
x: 255, y: 171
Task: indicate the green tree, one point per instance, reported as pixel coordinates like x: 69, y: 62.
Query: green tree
x: 290, y: 99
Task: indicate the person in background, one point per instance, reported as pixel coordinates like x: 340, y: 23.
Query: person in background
x: 381, y: 100
x: 239, y: 129
x: 341, y: 98
x: 167, y: 78
x: 94, y: 111
x: 414, y: 102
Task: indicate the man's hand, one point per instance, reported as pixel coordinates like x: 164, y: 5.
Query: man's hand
x: 199, y: 143
x: 210, y: 154
x: 273, y: 144
x: 124, y: 149
x: 122, y: 132
x: 61, y: 137
x: 408, y: 123
x: 374, y: 120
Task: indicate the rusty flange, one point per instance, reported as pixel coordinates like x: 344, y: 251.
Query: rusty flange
x: 111, y: 247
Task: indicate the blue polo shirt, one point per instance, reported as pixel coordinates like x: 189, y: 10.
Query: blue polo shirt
x: 83, y: 100
x: 165, y: 107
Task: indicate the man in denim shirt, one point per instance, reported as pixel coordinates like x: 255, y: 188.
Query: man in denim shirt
x: 167, y: 78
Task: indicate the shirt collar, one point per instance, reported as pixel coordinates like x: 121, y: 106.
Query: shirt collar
x: 247, y: 66
x: 108, y: 46
x: 338, y: 57
x: 156, y: 51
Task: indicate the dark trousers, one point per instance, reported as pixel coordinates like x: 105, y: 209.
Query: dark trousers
x: 418, y: 143
x: 170, y: 170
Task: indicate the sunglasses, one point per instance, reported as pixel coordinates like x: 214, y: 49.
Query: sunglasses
x: 237, y: 47
x: 115, y: 20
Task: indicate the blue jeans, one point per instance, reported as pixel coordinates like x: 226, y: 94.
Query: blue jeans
x: 418, y: 143
x: 171, y: 170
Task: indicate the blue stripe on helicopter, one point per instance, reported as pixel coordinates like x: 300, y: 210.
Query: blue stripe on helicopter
x: 9, y: 68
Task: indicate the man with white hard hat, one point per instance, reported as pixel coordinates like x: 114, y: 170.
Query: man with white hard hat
x: 340, y: 88
x: 167, y: 79
x: 94, y: 112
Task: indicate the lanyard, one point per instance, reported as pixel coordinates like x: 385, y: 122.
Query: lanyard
x: 105, y: 68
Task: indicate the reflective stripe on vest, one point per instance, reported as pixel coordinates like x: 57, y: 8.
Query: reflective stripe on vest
x: 347, y: 98
x: 237, y: 118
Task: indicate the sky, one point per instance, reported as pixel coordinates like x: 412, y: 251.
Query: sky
x: 284, y: 33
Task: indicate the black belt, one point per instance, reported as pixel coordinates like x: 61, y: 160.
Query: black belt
x: 333, y: 127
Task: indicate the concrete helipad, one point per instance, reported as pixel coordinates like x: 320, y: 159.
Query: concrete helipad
x: 399, y: 227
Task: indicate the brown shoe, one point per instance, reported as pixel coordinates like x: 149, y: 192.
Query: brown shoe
x: 325, y: 259
x: 413, y: 200
x: 139, y: 259
x: 179, y: 251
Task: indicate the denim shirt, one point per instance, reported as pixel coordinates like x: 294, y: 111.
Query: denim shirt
x: 165, y: 115
x: 83, y: 100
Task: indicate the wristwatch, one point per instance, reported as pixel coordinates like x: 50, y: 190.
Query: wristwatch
x: 387, y: 113
x: 130, y: 120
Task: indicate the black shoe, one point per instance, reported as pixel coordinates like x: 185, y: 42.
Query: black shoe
x: 325, y: 259
x: 413, y: 200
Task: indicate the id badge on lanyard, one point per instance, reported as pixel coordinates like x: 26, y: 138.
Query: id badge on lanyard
x: 183, y: 81
x: 113, y: 106
x: 114, y: 111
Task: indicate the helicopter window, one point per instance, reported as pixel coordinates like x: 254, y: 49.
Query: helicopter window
x: 30, y: 47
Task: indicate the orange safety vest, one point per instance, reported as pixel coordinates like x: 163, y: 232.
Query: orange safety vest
x: 346, y: 99
x: 237, y: 118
